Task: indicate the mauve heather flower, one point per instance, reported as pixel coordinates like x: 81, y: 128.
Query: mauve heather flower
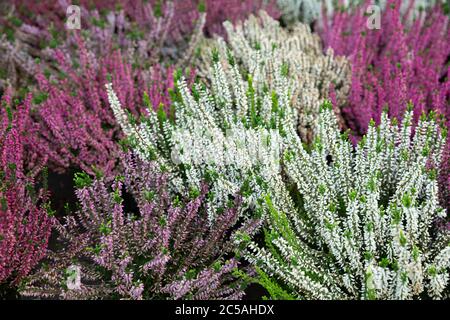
x: 134, y: 240
x: 25, y: 224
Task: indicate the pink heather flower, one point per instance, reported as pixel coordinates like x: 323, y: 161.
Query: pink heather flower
x: 218, y: 11
x: 444, y: 179
x: 24, y: 222
x: 183, y: 17
x: 73, y: 124
x: 400, y: 63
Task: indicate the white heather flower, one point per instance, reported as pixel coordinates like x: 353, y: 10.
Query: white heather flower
x: 231, y: 135
x: 73, y: 280
x: 308, y: 11
x: 359, y: 223
x: 262, y: 47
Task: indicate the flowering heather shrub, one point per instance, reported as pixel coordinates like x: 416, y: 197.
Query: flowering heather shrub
x: 162, y: 248
x: 293, y: 11
x: 42, y: 13
x: 364, y: 222
x: 254, y: 142
x: 399, y: 63
x: 253, y: 42
x: 74, y: 124
x: 167, y: 24
x: 403, y: 61
x: 413, y: 6
x: 73, y: 127
x: 17, y: 42
x: 218, y: 11
x: 308, y: 11
x: 230, y: 135
x: 24, y: 222
x: 145, y: 31
x: 183, y: 22
x: 444, y: 179
x: 143, y: 40
x: 140, y: 38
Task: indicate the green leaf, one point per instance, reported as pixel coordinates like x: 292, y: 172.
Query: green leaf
x: 105, y: 228
x: 117, y: 196
x: 215, y: 55
x: 82, y: 180
x: 402, y: 239
x: 406, y: 200
x: 201, y: 6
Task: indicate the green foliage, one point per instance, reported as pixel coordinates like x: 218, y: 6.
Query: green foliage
x: 82, y: 180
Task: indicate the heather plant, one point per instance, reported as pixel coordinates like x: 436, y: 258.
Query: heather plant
x: 293, y: 11
x: 234, y: 11
x: 401, y: 62
x: 17, y: 42
x: 150, y: 30
x: 361, y: 222
x: 230, y: 135
x: 413, y: 6
x: 159, y: 246
x: 141, y: 37
x: 73, y: 123
x: 444, y: 179
x: 74, y: 128
x: 25, y: 220
x: 25, y: 46
x: 309, y: 11
x: 146, y: 32
x: 260, y: 41
x: 66, y: 71
x: 406, y: 60
x: 185, y: 15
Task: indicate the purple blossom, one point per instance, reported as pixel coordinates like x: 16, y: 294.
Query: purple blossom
x: 400, y: 63
x: 25, y: 224
x: 158, y: 245
x: 183, y: 18
x: 73, y: 124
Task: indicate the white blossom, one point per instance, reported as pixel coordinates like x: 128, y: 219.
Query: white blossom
x: 360, y: 223
x: 262, y: 47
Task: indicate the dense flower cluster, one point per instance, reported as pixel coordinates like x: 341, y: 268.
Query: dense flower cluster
x: 230, y: 135
x: 73, y: 124
x: 364, y: 224
x: 260, y: 41
x: 186, y: 149
x: 27, y: 49
x: 160, y: 247
x: 25, y: 222
x: 185, y: 13
x: 404, y: 61
x: 146, y: 31
x: 399, y: 63
x: 309, y: 11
